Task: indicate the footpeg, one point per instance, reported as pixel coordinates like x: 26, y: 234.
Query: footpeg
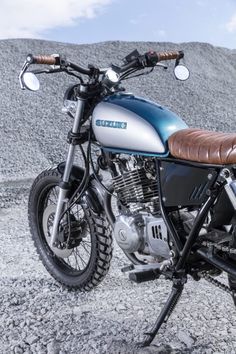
x: 127, y: 268
x: 146, y: 272
x: 141, y: 277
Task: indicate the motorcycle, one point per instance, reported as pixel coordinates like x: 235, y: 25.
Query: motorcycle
x: 174, y: 187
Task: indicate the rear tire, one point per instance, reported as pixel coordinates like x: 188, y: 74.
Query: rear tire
x: 232, y: 285
x: 97, y: 229
x: 232, y: 280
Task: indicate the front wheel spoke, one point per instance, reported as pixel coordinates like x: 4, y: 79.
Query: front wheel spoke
x: 81, y: 258
x: 83, y: 245
x: 51, y: 200
x: 73, y: 212
x: 76, y: 261
x: 86, y: 242
x: 76, y: 223
x: 68, y: 261
x: 54, y: 191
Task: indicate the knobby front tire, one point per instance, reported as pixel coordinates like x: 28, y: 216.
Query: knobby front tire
x: 42, y: 193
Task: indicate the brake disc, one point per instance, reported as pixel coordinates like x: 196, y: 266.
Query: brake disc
x: 48, y: 218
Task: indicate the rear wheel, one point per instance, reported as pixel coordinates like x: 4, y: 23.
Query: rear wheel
x: 84, y: 247
x: 231, y: 279
x: 232, y: 285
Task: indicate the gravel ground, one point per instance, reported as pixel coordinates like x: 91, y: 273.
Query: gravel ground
x: 39, y: 316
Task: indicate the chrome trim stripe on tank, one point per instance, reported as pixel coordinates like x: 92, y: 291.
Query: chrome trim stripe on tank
x: 163, y: 120
x: 130, y: 152
x: 138, y: 135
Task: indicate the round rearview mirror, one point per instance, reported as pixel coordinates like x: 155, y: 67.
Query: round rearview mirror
x: 181, y: 72
x: 31, y: 82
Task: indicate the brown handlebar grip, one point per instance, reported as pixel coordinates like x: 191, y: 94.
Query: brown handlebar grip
x: 44, y: 59
x: 170, y: 55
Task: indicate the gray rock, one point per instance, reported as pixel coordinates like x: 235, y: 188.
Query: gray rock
x: 120, y: 307
x: 18, y: 350
x: 185, y: 338
x: 31, y: 339
x: 53, y: 347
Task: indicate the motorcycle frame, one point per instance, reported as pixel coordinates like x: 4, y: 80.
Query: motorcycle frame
x: 183, y: 249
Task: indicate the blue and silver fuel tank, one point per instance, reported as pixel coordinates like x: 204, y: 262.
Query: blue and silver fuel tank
x: 129, y: 124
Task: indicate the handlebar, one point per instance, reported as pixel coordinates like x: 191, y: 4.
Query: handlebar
x: 137, y: 61
x: 146, y: 60
x: 79, y: 68
x: 44, y: 59
x: 56, y: 60
x: 152, y: 58
x: 170, y: 55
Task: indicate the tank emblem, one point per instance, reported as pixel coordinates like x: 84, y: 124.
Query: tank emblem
x: 111, y: 124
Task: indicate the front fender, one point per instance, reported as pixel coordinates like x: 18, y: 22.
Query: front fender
x: 77, y: 172
x: 91, y: 194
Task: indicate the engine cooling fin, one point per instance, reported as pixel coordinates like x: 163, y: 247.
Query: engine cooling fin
x: 134, y: 186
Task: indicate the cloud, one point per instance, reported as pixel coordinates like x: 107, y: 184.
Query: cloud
x: 139, y: 19
x: 231, y: 25
x: 201, y: 3
x: 161, y: 33
x: 30, y: 18
x: 134, y: 22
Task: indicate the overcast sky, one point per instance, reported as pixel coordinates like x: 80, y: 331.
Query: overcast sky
x: 88, y: 21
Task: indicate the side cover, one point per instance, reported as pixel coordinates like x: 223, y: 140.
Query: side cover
x: 185, y: 185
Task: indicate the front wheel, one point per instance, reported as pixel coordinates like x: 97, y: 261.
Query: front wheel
x: 84, y: 248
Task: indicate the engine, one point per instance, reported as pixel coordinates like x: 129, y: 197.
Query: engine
x: 142, y: 233
x: 135, y: 187
x: 139, y: 227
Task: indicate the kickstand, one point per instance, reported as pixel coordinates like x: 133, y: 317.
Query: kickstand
x: 165, y: 313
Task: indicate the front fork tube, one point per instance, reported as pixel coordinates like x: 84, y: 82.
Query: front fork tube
x: 62, y: 197
x: 63, y: 187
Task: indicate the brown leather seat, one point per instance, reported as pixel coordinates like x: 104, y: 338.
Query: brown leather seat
x: 203, y: 146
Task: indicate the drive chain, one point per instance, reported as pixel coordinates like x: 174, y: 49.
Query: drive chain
x: 219, y: 247
x: 210, y: 279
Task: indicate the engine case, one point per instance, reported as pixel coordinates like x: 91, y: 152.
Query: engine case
x: 157, y: 236
x: 128, y: 232
x: 142, y: 232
